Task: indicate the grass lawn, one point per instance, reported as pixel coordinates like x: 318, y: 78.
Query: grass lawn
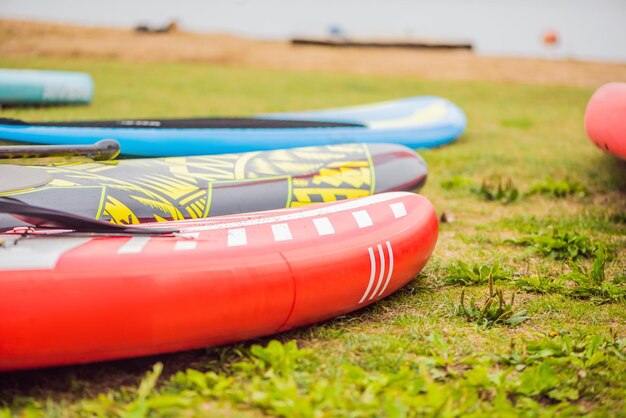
x: 535, y: 210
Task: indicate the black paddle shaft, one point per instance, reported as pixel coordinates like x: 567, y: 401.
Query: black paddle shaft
x: 58, y: 219
x: 104, y: 150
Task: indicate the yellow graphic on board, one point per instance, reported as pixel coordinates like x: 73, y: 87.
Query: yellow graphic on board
x: 307, y: 196
x: 119, y: 212
x: 354, y: 173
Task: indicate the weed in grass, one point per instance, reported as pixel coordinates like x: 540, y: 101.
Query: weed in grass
x: 566, y: 367
x: 137, y: 402
x: 461, y: 273
x: 456, y: 183
x: 582, y: 350
x: 503, y: 190
x: 586, y: 283
x: 558, y: 188
x: 498, y: 190
x: 592, y: 283
x: 541, y: 284
x: 495, y: 310
x: 557, y: 245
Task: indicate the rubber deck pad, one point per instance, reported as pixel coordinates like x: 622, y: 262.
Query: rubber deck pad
x: 13, y: 177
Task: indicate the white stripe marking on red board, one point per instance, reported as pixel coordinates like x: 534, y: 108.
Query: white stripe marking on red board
x: 134, y: 245
x: 372, y: 273
x: 237, y: 237
x: 185, y: 245
x: 281, y: 232
x: 37, y: 254
x: 373, y: 266
x: 398, y: 209
x: 189, y: 235
x: 188, y: 243
x: 323, y: 226
x: 390, y: 251
x: 382, y: 271
x: 362, y: 218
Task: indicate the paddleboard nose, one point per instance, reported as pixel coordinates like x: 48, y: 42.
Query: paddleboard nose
x: 397, y: 168
x: 402, y: 236
x: 605, y: 119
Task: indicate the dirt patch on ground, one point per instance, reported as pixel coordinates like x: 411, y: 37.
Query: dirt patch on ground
x: 19, y: 39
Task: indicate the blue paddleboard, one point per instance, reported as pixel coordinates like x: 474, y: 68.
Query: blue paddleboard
x: 21, y: 87
x: 417, y: 122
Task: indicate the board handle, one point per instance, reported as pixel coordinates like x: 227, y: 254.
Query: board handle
x: 104, y: 150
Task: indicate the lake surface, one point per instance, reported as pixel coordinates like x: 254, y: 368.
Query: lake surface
x: 587, y: 29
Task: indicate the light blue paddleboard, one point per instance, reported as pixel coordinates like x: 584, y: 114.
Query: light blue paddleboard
x: 21, y: 87
x: 417, y: 122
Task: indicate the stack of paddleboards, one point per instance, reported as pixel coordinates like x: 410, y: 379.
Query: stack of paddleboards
x: 233, y: 228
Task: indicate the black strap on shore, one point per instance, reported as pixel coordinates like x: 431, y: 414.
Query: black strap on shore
x: 52, y: 218
x: 104, y: 150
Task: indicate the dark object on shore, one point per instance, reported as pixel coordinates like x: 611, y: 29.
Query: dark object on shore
x: 170, y: 27
x: 446, y: 218
x: 347, y: 43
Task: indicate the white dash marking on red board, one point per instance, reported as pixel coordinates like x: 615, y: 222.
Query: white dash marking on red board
x: 237, y: 237
x: 372, y: 274
x: 186, y: 245
x: 398, y: 209
x: 281, y: 232
x: 188, y: 235
x: 135, y: 245
x: 239, y: 221
x: 381, y: 253
x: 390, y: 251
x: 323, y: 226
x: 362, y: 218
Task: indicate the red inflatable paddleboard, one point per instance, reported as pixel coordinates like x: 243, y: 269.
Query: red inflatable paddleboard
x: 605, y: 119
x: 69, y: 297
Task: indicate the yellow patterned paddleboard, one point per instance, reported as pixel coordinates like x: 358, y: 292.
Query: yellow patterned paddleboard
x: 162, y: 189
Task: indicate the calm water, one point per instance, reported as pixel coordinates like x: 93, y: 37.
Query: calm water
x: 588, y: 29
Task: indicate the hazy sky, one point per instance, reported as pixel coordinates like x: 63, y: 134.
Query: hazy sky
x: 589, y: 29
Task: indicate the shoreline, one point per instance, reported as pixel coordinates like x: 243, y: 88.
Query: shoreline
x: 35, y: 39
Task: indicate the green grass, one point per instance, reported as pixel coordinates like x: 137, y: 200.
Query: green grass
x: 412, y: 354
